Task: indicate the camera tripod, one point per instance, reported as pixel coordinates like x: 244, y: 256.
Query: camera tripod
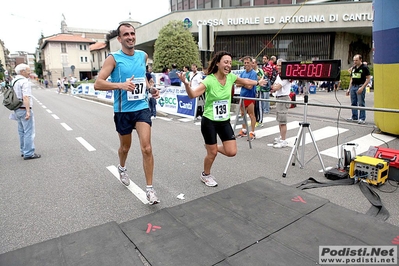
x: 301, y: 138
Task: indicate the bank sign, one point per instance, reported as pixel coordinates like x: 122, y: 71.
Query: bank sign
x: 298, y: 19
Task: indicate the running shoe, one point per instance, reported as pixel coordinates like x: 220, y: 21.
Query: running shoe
x: 252, y: 136
x: 351, y: 120
x: 152, y: 197
x: 123, y: 177
x: 361, y: 121
x: 277, y: 140
x: 241, y: 134
x: 208, y: 180
x: 281, y: 144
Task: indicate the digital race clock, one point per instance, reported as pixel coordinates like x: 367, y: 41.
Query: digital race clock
x: 325, y: 70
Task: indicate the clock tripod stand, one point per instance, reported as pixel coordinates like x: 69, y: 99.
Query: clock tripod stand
x: 301, y: 139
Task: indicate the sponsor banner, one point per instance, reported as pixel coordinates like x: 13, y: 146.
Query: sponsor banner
x: 85, y: 88
x: 109, y: 95
x: 174, y: 100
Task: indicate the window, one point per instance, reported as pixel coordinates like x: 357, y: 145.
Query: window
x: 173, y: 6
x: 201, y: 4
x: 259, y: 2
x: 225, y: 3
x: 63, y: 48
x: 235, y: 2
x: 185, y: 4
x: 83, y: 47
x: 246, y: 2
x: 83, y: 59
x: 92, y: 58
x: 215, y: 3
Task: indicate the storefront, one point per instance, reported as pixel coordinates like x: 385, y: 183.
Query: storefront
x: 334, y: 30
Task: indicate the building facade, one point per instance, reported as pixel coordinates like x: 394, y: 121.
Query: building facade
x: 76, y: 52
x: 284, y: 28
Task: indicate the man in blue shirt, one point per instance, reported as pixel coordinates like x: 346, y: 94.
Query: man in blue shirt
x: 249, y: 92
x: 127, y: 70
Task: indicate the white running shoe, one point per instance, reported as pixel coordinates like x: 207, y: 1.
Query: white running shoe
x: 208, y: 180
x: 281, y: 144
x: 277, y: 140
x: 124, y: 178
x: 152, y: 197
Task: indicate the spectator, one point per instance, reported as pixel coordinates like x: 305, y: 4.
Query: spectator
x: 24, y: 114
x: 248, y: 91
x: 174, y: 79
x: 165, y: 77
x: 282, y: 89
x: 360, y: 78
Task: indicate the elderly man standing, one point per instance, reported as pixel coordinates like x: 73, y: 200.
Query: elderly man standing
x: 24, y: 114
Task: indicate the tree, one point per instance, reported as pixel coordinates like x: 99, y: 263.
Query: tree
x: 38, y: 68
x: 175, y: 44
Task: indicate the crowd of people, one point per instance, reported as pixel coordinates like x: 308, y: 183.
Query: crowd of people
x: 64, y: 84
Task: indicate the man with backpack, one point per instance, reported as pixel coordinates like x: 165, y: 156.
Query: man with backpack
x: 24, y: 114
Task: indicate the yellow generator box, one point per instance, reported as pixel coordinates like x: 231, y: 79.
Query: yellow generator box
x: 373, y: 170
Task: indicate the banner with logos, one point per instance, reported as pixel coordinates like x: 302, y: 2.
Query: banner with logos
x: 174, y: 100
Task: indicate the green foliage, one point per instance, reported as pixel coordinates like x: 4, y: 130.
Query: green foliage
x: 345, y: 78
x: 39, y: 69
x: 175, y: 45
x: 235, y: 64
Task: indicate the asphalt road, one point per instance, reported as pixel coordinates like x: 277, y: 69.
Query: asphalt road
x: 72, y: 186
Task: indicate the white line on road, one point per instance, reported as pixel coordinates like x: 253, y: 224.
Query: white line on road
x: 49, y: 111
x: 274, y: 129
x: 85, y: 144
x: 55, y: 116
x: 66, y: 126
x: 44, y: 106
x: 363, y: 143
x: 164, y: 118
x: 319, y: 134
x: 136, y: 190
x: 104, y: 104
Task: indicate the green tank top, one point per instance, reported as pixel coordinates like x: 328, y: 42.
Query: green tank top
x: 218, y: 97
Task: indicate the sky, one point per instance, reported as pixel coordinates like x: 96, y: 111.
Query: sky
x: 22, y: 24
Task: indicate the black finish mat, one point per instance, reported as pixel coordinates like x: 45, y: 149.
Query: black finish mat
x: 260, y: 222
x: 101, y: 245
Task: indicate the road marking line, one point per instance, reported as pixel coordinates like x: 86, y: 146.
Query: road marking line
x: 49, y: 111
x: 85, y: 144
x: 185, y: 119
x: 274, y: 129
x: 100, y: 103
x: 55, y: 116
x: 164, y: 118
x: 323, y: 133
x: 66, y: 126
x: 136, y: 190
x: 44, y: 106
x: 363, y: 143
